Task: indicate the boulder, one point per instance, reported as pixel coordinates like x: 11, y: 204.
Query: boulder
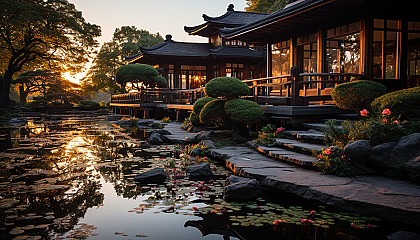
x: 241, y: 189
x: 195, y: 152
x: 155, y: 139
x: 155, y: 175
x: 17, y: 121
x: 199, y: 170
x: 144, y: 122
x: 209, y: 144
x: 403, y: 235
x: 157, y: 125
x: 122, y: 122
x: 378, y: 156
x: 203, y: 135
x: 357, y: 149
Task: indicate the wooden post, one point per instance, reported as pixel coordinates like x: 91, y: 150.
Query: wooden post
x: 294, y: 72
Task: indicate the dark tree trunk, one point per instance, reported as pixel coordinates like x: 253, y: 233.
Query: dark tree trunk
x: 5, y: 89
x: 22, y: 94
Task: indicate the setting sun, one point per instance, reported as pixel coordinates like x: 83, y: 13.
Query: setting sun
x: 74, y: 78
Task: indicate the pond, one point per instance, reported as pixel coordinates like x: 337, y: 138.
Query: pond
x: 72, y: 177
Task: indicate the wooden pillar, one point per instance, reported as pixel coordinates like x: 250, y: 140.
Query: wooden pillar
x: 247, y: 70
x: 269, y: 61
x: 177, y: 75
x: 366, y: 51
x: 320, y: 58
x: 222, y: 68
x: 402, y: 60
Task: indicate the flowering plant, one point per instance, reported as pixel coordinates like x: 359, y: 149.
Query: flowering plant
x: 333, y: 161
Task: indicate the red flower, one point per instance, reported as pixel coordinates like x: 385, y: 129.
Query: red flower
x: 395, y: 122
x: 312, y: 212
x: 327, y: 151
x: 306, y: 221
x: 364, y: 113
x: 280, y: 129
x: 195, y: 209
x: 386, y: 112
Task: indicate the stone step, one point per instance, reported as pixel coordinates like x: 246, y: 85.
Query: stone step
x: 317, y: 126
x: 307, y: 148
x: 299, y: 159
x: 306, y: 136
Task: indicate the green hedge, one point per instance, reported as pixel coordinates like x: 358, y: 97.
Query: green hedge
x: 243, y: 111
x: 160, y: 81
x: 195, y: 119
x: 357, y: 95
x: 226, y: 87
x: 404, y: 103
x: 213, y: 113
x: 200, y: 103
x: 89, y: 105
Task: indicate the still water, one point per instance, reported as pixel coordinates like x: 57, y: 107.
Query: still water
x: 71, y: 177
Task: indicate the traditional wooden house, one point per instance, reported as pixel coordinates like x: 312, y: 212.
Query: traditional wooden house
x: 191, y: 65
x: 379, y: 39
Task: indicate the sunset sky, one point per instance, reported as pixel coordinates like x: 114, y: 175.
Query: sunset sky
x: 163, y: 16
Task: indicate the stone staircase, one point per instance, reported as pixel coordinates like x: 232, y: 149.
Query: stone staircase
x: 299, y: 146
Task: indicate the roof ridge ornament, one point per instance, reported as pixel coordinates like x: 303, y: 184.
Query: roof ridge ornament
x: 231, y: 7
x: 168, y: 38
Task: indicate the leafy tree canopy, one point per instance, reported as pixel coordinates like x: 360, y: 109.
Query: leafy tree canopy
x: 126, y: 41
x: 140, y: 75
x: 42, y: 33
x: 265, y: 6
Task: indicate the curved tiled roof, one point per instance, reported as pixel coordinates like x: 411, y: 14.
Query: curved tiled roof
x: 231, y: 18
x: 271, y: 18
x: 184, y: 49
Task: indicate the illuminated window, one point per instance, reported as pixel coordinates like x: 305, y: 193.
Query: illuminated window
x: 235, y: 70
x: 280, y: 58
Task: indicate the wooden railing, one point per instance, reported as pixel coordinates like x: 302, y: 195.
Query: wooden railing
x: 293, y: 89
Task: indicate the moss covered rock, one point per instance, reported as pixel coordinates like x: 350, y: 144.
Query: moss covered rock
x: 404, y: 103
x: 226, y: 87
x: 357, y: 95
x: 200, y: 103
x: 213, y: 113
x: 243, y: 111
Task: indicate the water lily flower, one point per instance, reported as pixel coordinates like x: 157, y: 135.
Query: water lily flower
x: 386, y: 112
x: 368, y: 226
x: 280, y: 129
x: 312, y: 212
x: 364, y: 113
x: 307, y: 221
x: 395, y: 122
x: 327, y: 151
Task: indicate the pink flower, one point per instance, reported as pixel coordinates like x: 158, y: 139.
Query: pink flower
x: 327, y: 151
x: 308, y: 221
x: 312, y: 212
x: 395, y: 122
x: 205, y: 158
x: 364, y: 113
x: 186, y: 138
x: 368, y: 226
x: 280, y: 129
x: 386, y: 112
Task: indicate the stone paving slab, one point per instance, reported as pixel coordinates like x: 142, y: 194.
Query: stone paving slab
x: 178, y: 134
x: 374, y: 195
x: 300, y: 146
x: 306, y: 135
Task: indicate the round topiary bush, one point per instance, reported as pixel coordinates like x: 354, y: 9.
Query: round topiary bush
x: 199, y: 104
x: 195, y: 119
x: 160, y: 81
x: 213, y: 113
x: 243, y: 111
x: 357, y: 95
x: 404, y: 103
x: 226, y: 87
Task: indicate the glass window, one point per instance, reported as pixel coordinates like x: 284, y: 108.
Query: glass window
x: 343, y: 54
x: 385, y: 45
x: 235, y: 70
x: 280, y: 58
x: 413, y: 54
x: 193, y: 76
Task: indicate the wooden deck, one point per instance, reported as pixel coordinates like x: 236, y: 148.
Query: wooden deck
x: 288, y: 97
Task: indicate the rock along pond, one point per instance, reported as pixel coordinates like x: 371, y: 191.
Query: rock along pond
x: 72, y: 177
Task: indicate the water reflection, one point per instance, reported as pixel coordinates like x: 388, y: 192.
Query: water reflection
x: 74, y: 178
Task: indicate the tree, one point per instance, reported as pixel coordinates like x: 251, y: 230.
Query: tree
x: 265, y: 6
x: 42, y: 33
x: 31, y: 82
x: 140, y: 76
x: 126, y: 41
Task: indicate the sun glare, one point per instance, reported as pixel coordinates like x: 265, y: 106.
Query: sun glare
x: 74, y: 78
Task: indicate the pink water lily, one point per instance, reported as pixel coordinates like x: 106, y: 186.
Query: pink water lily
x: 386, y: 112
x: 395, y: 122
x: 280, y: 129
x: 364, y: 113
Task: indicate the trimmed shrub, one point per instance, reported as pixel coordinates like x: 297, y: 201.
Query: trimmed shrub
x: 160, y: 81
x: 135, y: 73
x: 195, y: 119
x: 213, y: 113
x: 243, y: 111
x: 89, y: 105
x: 226, y: 87
x: 200, y: 103
x: 357, y: 95
x: 404, y: 103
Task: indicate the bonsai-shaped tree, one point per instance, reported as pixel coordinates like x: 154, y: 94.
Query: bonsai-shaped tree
x: 223, y: 105
x: 140, y: 76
